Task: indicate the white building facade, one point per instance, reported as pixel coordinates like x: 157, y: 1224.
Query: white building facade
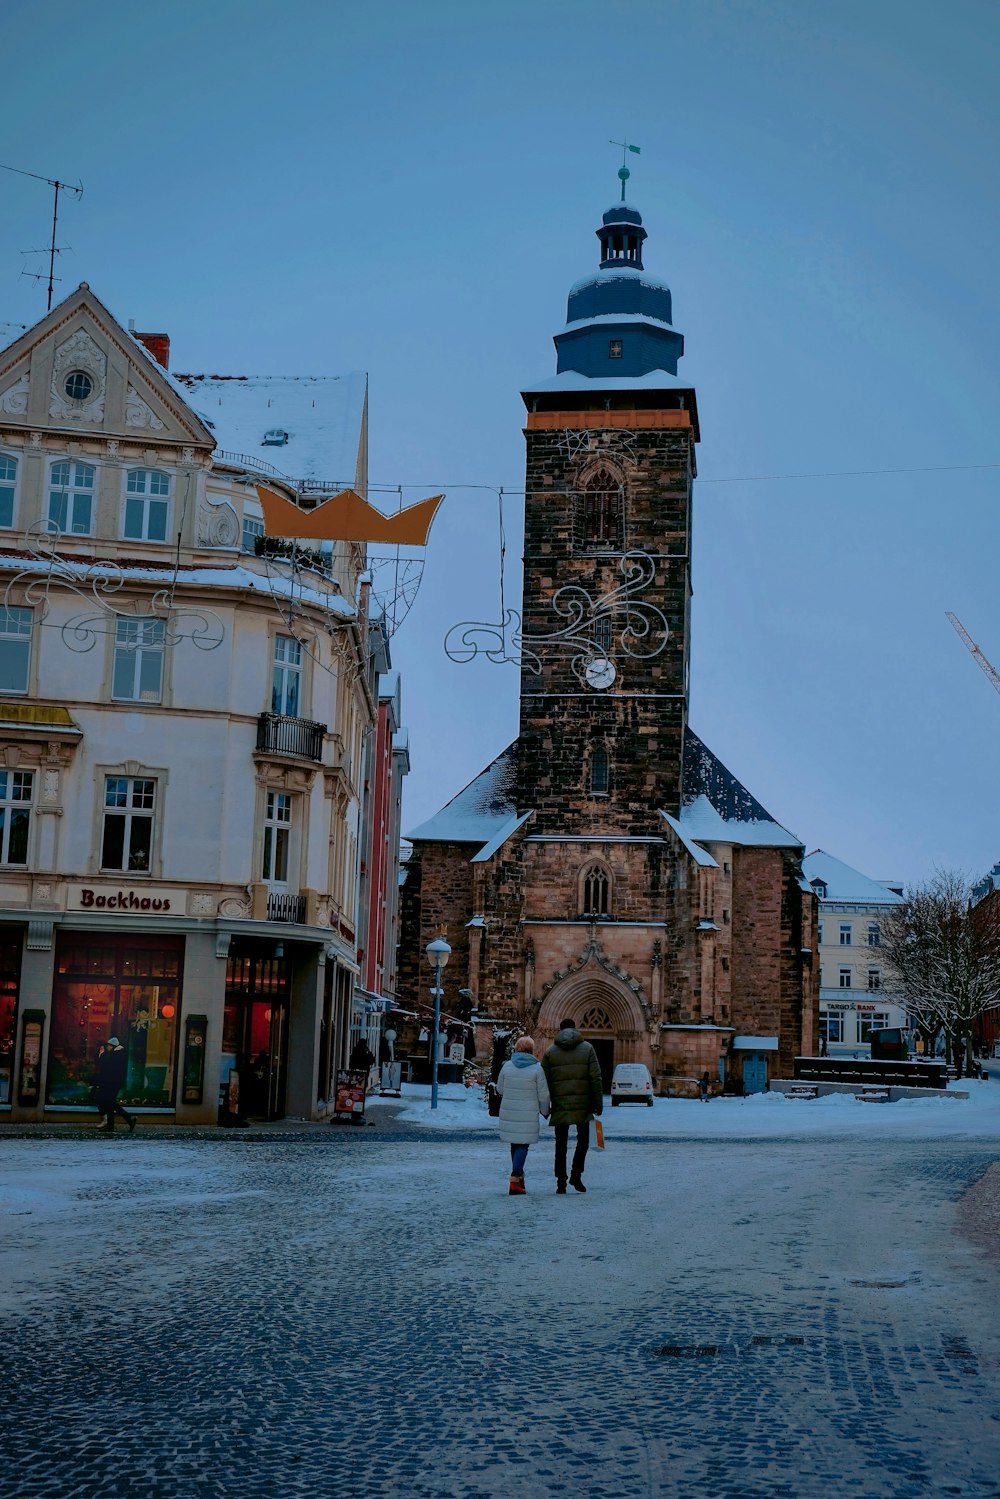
x: 182, y: 731
x: 856, y: 994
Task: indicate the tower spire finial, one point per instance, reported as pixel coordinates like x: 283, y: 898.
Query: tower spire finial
x: 623, y: 171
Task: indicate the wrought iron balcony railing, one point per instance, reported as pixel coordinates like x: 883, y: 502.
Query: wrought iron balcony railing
x: 286, y: 908
x: 279, y: 734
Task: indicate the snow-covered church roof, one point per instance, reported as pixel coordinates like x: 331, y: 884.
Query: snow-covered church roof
x: 480, y: 810
x: 846, y: 885
x: 303, y: 426
x: 717, y: 807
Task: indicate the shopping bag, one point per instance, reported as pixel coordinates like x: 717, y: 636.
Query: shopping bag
x: 598, y: 1134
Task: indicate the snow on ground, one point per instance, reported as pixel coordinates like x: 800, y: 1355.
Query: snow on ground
x: 763, y: 1114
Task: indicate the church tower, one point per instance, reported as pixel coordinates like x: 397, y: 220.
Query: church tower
x: 607, y: 867
x: 607, y: 574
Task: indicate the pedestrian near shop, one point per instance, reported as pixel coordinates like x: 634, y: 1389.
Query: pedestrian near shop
x: 703, y: 1085
x: 573, y: 1074
x: 362, y: 1056
x: 109, y: 1080
x: 524, y: 1095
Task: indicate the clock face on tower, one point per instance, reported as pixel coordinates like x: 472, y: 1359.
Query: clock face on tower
x: 600, y: 673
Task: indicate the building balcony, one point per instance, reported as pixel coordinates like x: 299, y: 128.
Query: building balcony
x: 282, y: 907
x: 277, y: 734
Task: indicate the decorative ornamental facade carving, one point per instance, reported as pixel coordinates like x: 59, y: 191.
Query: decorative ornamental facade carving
x: 139, y: 414
x: 79, y: 352
x: 218, y: 524
x: 14, y: 400
x: 594, y: 953
x: 236, y: 907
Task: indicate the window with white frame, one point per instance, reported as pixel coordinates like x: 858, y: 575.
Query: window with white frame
x: 831, y: 1027
x: 252, y: 529
x: 15, y: 815
x: 874, y: 978
x: 127, y: 838
x: 819, y: 931
x: 71, y: 498
x: 845, y: 934
x: 874, y: 934
x: 874, y: 1022
x: 277, y: 837
x: 8, y: 484
x: 286, y: 676
x: 138, y: 668
x: 845, y: 978
x: 147, y: 504
x: 15, y: 648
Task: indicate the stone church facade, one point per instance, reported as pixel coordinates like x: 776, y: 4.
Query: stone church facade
x: 606, y: 866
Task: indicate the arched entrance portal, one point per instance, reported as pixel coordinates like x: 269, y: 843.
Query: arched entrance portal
x: 605, y: 1011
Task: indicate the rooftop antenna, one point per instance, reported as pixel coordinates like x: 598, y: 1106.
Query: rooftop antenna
x: 623, y: 171
x: 58, y: 186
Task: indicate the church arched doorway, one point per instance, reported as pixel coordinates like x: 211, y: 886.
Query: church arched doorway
x: 606, y: 1013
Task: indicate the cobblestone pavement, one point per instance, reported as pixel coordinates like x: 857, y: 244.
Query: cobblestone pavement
x: 366, y: 1312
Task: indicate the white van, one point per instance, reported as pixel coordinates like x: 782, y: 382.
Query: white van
x: 631, y: 1083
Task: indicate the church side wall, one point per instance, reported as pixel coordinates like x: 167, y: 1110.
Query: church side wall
x: 438, y: 903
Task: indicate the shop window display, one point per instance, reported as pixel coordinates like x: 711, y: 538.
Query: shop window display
x: 131, y: 990
x: 10, y: 954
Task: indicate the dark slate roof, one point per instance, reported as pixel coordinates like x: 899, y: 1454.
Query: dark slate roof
x: 479, y: 811
x: 705, y: 775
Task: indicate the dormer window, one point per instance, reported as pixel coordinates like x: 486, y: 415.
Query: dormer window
x: 274, y: 437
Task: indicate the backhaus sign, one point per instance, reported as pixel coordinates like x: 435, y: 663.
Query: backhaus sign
x: 127, y: 900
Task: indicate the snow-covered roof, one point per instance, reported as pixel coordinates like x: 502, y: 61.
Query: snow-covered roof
x: 276, y: 582
x: 700, y: 820
x: 698, y: 854
x: 479, y: 811
x: 705, y: 775
x: 500, y: 838
x: 618, y: 317
x: 323, y: 416
x: 573, y: 380
x: 844, y: 884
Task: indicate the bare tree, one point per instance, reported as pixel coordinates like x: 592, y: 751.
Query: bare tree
x: 943, y: 957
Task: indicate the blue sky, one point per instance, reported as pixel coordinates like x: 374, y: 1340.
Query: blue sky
x: 411, y: 190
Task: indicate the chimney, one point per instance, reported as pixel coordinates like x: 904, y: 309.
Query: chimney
x: 158, y: 345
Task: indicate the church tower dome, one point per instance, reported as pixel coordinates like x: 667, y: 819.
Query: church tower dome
x: 618, y: 320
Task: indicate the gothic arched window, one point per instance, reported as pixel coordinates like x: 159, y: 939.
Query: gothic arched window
x: 602, y: 511
x: 600, y: 774
x: 595, y: 891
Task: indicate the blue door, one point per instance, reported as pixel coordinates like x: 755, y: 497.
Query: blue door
x: 755, y: 1072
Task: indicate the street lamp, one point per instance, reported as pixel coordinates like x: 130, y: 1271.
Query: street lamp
x: 438, y: 953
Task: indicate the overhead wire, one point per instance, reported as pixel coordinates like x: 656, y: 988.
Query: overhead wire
x: 847, y: 473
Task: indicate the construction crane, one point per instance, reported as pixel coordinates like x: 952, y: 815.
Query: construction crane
x: 981, y: 660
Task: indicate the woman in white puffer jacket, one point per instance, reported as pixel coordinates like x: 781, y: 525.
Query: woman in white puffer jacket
x: 524, y: 1094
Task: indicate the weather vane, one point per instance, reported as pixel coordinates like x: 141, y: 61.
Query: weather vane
x: 623, y: 171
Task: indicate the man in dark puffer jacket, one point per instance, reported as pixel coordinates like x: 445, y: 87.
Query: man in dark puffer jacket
x: 573, y: 1074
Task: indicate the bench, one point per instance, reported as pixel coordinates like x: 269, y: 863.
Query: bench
x: 802, y: 1092
x: 872, y: 1095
